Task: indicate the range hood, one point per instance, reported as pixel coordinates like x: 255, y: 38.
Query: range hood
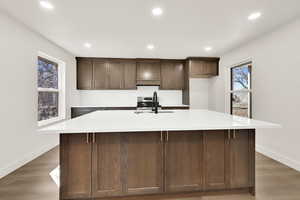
x: 148, y: 82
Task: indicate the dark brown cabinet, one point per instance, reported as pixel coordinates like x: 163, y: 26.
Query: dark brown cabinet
x: 184, y: 162
x: 148, y: 72
x: 84, y: 74
x: 107, y: 164
x: 130, y: 75
x: 198, y: 67
x: 229, y: 159
x: 216, y: 159
x: 75, y: 165
x: 101, y: 165
x: 242, y: 147
x: 144, y: 163
x: 100, y: 74
x: 172, y: 75
x: 203, y: 68
x: 121, y: 73
x: 115, y: 75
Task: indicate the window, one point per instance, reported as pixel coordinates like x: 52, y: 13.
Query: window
x: 50, y: 90
x: 241, y: 90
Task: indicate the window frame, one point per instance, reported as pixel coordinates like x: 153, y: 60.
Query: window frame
x: 249, y: 91
x: 60, y: 90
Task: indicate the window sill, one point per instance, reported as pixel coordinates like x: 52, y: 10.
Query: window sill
x: 50, y: 121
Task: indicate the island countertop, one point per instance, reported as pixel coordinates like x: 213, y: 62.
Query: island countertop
x: 129, y: 121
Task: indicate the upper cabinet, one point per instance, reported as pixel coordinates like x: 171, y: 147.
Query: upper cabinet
x: 126, y: 74
x: 172, y: 75
x: 101, y: 74
x: 84, y: 74
x: 203, y: 67
x: 115, y: 74
x: 198, y: 67
x: 130, y: 74
x: 148, y: 72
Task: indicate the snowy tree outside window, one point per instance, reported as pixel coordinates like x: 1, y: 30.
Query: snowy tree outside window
x: 241, y: 90
x: 48, y: 89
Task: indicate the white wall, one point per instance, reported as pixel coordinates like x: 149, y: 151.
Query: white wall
x: 19, y: 141
x: 111, y: 98
x: 199, y: 93
x: 199, y: 96
x: 276, y: 90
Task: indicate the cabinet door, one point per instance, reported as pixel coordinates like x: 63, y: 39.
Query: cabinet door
x: 203, y: 69
x: 216, y: 159
x: 148, y: 71
x: 144, y: 163
x: 116, y: 75
x: 184, y: 161
x: 84, y: 74
x: 130, y: 75
x: 242, y: 156
x: 75, y: 168
x: 197, y: 68
x: 106, y: 176
x: 100, y: 74
x: 212, y: 68
x: 172, y: 76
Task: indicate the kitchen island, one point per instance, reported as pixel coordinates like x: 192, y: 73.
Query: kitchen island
x: 177, y: 153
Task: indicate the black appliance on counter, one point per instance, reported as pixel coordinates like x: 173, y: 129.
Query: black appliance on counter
x: 148, y: 103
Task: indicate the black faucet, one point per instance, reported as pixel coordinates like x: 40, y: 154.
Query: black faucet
x: 155, y: 103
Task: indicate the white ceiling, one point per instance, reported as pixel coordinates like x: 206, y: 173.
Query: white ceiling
x: 123, y: 28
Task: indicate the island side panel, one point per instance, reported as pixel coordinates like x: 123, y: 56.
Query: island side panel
x: 75, y: 166
x: 242, y: 160
x: 252, y: 163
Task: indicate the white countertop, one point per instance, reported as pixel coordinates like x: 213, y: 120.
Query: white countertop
x: 128, y: 121
x: 93, y: 106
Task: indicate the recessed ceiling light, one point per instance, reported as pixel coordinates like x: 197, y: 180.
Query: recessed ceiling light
x: 47, y: 5
x: 150, y: 46
x: 254, y: 16
x: 208, y: 48
x: 157, y: 11
x: 87, y: 45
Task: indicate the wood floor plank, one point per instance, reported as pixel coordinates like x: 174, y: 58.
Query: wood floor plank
x: 274, y: 181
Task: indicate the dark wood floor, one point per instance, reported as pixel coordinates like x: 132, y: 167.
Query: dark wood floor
x: 32, y: 182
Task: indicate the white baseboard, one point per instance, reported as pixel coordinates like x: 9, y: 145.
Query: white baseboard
x: 27, y: 158
x: 279, y: 157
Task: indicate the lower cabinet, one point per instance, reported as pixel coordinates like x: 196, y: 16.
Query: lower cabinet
x: 104, y: 165
x: 144, y: 174
x: 242, y: 159
x: 216, y: 159
x: 75, y: 166
x: 184, y: 162
x: 229, y: 159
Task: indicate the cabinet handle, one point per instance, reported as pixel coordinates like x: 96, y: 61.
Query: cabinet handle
x: 167, y: 136
x: 87, y: 138
x: 161, y: 136
x: 94, y: 138
x: 228, y: 135
x: 234, y: 136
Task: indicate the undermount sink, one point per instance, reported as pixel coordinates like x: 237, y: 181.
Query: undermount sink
x: 152, y: 112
